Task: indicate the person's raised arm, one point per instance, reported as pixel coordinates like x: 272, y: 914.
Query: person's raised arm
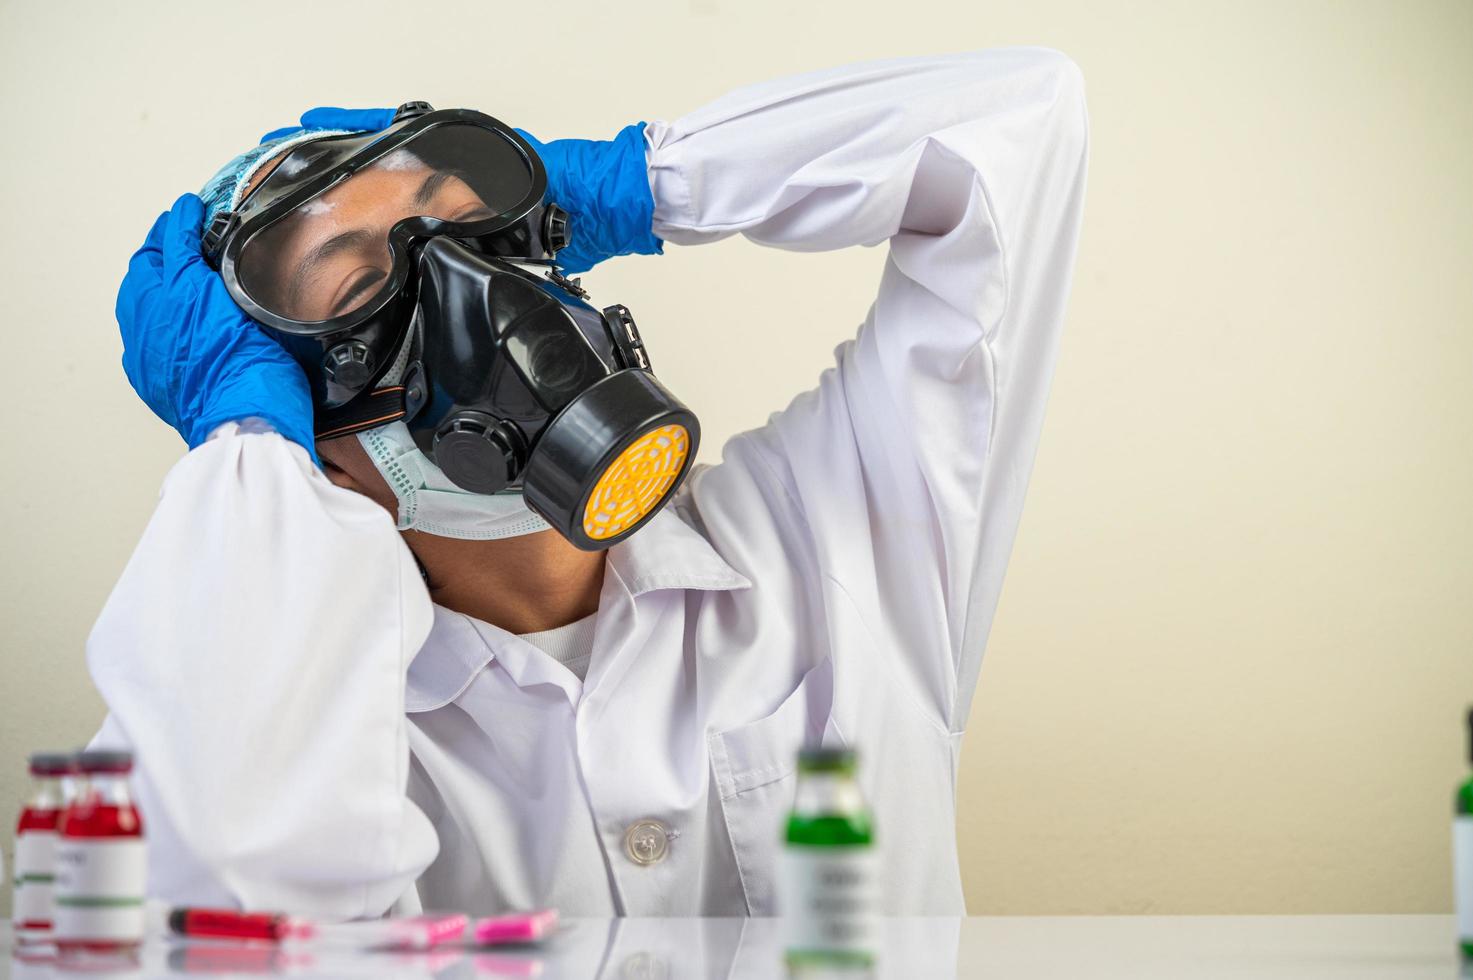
x: 254, y: 652
x: 909, y: 462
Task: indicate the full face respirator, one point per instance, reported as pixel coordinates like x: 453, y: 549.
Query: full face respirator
x: 412, y: 273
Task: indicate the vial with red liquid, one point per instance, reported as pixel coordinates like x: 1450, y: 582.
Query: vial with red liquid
x: 100, y: 862
x: 35, y: 848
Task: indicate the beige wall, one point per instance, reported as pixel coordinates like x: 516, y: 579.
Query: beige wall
x: 1229, y: 662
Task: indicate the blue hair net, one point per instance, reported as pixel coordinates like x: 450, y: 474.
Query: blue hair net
x: 223, y: 191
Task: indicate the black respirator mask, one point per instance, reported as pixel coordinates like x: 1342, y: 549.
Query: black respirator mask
x: 412, y: 274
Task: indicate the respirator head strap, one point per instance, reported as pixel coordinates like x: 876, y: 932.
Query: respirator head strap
x: 368, y: 411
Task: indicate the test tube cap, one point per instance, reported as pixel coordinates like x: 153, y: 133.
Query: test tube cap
x: 50, y: 763
x: 105, y: 760
x: 826, y: 758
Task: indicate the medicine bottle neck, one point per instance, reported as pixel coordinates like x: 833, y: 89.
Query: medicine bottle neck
x: 45, y: 793
x: 827, y: 793
x: 104, y: 789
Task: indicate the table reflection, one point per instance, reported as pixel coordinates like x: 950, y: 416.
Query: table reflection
x: 617, y: 949
x: 1346, y: 947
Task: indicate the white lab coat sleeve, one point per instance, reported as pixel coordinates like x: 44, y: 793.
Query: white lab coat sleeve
x: 253, y: 656
x: 910, y: 459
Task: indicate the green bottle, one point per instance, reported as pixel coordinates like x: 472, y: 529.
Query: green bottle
x: 830, y: 869
x: 1463, y: 855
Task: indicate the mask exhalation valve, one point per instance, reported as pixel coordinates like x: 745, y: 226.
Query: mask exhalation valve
x: 478, y: 453
x: 349, y: 364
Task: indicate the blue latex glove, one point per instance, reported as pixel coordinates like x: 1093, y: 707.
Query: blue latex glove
x: 604, y: 185
x: 329, y: 117
x: 191, y: 354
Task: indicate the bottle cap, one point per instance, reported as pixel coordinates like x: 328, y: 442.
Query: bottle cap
x: 105, y: 760
x: 820, y: 758
x: 50, y: 763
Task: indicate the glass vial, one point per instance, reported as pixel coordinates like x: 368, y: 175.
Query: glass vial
x: 830, y: 871
x: 1463, y: 855
x: 35, y: 848
x: 100, y: 862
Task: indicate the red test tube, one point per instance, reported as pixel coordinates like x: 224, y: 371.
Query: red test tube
x: 230, y: 924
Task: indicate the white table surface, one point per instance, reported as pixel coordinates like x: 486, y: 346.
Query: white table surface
x: 1406, y: 947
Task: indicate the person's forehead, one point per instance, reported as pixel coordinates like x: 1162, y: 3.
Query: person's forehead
x: 397, y: 163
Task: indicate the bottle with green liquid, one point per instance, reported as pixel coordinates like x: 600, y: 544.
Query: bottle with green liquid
x: 1463, y: 855
x: 829, y: 895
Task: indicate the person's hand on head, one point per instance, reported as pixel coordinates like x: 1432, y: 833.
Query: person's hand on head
x: 331, y: 117
x: 191, y: 353
x: 604, y: 186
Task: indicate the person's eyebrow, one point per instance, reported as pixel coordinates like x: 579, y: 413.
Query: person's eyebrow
x: 356, y: 238
x: 430, y: 188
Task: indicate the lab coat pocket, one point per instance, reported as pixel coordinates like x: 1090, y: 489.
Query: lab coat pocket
x: 754, y: 766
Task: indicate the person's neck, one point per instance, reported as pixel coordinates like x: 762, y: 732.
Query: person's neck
x: 525, y: 584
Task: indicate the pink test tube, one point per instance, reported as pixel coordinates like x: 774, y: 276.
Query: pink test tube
x: 519, y: 927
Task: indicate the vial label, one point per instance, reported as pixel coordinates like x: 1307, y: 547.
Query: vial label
x: 99, y: 890
x: 830, y: 897
x: 35, y: 860
x: 1463, y: 875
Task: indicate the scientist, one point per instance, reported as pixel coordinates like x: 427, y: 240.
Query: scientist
x: 429, y: 673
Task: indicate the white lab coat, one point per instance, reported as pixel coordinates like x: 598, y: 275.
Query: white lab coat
x: 315, y: 735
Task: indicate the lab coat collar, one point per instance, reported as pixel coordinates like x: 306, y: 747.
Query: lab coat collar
x: 667, y: 553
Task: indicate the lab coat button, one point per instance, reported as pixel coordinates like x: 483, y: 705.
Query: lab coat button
x: 647, y: 842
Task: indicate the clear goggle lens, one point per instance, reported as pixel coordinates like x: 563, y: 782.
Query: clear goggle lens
x: 330, y: 256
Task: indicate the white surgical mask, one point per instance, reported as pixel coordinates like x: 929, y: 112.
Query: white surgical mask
x: 429, y: 502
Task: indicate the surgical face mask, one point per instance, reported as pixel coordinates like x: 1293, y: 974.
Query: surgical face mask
x: 412, y: 274
x: 430, y: 502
